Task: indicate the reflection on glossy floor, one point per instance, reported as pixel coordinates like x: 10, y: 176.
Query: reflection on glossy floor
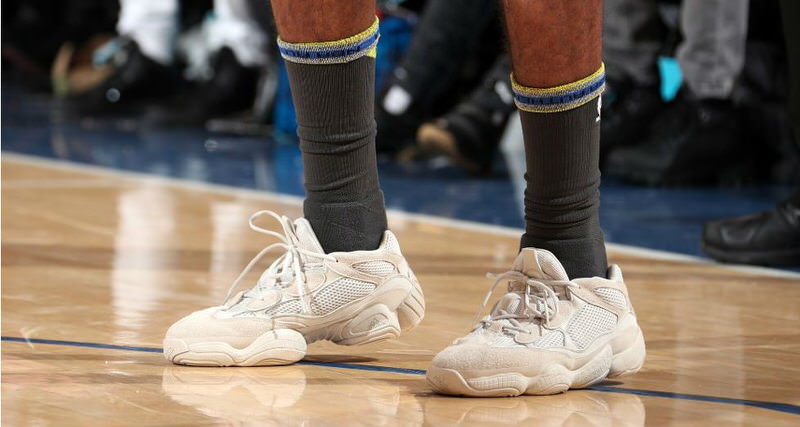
x: 101, y: 258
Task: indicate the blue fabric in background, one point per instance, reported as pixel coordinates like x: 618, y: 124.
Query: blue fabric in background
x: 671, y: 77
x: 396, y: 35
x: 284, y: 119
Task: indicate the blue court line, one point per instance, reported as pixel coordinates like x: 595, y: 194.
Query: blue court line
x: 355, y: 367
x: 771, y: 406
x: 83, y: 344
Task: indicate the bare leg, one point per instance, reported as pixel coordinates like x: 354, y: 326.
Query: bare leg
x: 554, y: 42
x: 302, y: 21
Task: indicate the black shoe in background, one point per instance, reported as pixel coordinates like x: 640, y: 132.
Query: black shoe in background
x: 397, y: 115
x: 769, y: 238
x: 136, y: 81
x: 470, y: 134
x: 452, y: 46
x: 628, y: 111
x: 694, y: 142
x: 231, y: 89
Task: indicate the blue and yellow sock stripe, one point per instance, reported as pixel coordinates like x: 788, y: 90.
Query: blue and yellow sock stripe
x: 559, y: 98
x: 333, y: 52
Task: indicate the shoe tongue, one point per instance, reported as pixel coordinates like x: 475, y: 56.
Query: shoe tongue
x: 536, y: 264
x: 539, y: 264
x: 306, y: 237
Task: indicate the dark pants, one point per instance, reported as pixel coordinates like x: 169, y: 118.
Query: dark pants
x: 790, y: 12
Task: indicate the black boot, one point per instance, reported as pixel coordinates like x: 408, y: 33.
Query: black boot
x: 627, y: 112
x: 135, y: 82
x: 694, y: 142
x: 768, y: 238
x: 231, y: 89
x: 470, y: 134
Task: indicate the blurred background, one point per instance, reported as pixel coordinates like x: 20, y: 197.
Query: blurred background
x: 700, y: 122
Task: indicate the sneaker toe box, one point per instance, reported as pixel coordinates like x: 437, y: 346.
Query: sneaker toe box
x: 482, y: 359
x: 207, y: 325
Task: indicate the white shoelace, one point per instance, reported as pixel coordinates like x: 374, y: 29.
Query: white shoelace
x: 539, y: 301
x: 289, y: 268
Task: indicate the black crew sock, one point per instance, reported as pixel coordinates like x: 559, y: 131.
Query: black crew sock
x: 562, y: 195
x: 336, y: 127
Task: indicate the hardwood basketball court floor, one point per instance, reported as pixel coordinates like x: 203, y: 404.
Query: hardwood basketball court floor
x: 96, y: 264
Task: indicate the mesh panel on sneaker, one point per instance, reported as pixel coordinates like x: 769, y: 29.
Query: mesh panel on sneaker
x: 339, y: 293
x: 391, y: 244
x: 549, y: 340
x: 286, y: 307
x: 377, y: 267
x: 590, y: 323
x: 613, y: 296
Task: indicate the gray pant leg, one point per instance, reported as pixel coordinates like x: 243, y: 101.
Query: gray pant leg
x: 712, y: 53
x: 632, y: 39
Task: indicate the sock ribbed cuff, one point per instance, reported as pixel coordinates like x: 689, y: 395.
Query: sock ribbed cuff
x: 333, y: 52
x: 559, y: 98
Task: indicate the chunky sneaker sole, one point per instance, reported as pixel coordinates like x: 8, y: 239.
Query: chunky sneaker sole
x: 623, y: 354
x: 305, y: 296
x: 379, y: 318
x: 276, y: 347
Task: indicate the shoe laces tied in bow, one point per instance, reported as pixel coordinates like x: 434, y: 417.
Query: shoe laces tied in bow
x: 286, y: 270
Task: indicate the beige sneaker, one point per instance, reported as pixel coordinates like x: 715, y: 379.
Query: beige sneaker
x: 546, y: 335
x: 304, y: 296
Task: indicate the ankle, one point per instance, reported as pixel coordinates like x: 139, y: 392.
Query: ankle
x: 581, y: 257
x: 347, y: 226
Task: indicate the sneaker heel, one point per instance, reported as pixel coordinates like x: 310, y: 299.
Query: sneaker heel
x: 412, y: 310
x: 630, y: 360
x: 376, y: 323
